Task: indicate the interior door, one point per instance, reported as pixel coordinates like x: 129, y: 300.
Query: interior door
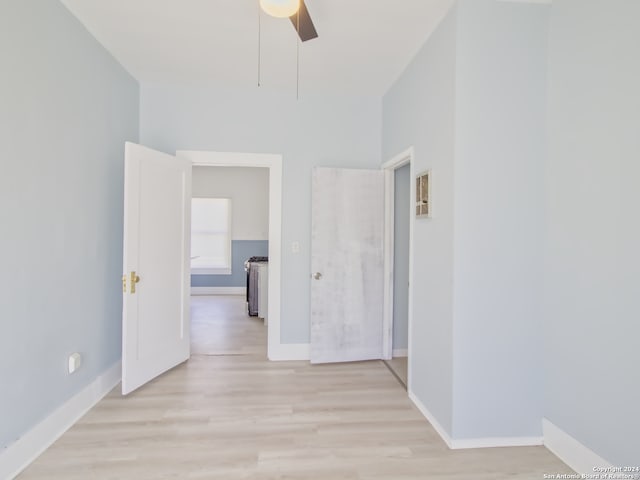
x: 347, y: 265
x: 157, y: 212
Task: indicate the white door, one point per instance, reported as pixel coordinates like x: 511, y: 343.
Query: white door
x: 157, y: 212
x: 347, y: 265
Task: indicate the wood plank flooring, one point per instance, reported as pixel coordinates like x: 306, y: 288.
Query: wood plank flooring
x: 399, y: 366
x: 220, y: 325
x: 242, y: 417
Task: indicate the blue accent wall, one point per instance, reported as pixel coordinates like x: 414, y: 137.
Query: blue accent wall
x: 240, y: 251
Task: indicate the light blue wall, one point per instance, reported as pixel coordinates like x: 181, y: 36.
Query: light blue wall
x: 327, y: 131
x: 472, y: 103
x: 592, y: 266
x: 419, y: 110
x: 241, y: 250
x: 402, y: 201
x: 500, y: 149
x: 248, y: 191
x: 66, y: 110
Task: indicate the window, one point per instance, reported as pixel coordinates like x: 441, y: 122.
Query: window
x: 211, y: 236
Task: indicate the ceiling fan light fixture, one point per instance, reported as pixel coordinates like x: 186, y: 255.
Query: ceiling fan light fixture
x: 280, y: 8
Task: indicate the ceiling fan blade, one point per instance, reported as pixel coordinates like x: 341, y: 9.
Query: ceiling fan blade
x: 307, y: 30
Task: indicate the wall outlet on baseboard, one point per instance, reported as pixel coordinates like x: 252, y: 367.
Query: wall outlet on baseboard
x: 75, y: 360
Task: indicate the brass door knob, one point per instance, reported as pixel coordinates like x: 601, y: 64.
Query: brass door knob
x: 134, y: 279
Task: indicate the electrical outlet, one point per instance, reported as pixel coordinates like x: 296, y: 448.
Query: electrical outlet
x: 295, y: 247
x: 75, y: 360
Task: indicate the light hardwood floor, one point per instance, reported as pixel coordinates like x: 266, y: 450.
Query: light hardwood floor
x: 399, y: 366
x: 220, y: 325
x: 241, y: 417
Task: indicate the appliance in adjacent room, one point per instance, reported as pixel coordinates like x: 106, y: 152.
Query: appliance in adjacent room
x: 252, y: 267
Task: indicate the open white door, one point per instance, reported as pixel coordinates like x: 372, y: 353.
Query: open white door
x: 157, y: 229
x: 347, y: 265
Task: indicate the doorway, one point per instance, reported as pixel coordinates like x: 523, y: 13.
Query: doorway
x: 400, y: 333
x: 156, y: 282
x: 272, y: 164
x: 399, y: 191
x: 230, y: 226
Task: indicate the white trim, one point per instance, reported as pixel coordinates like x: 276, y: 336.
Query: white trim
x: 231, y: 159
x: 31, y: 445
x: 389, y: 266
x: 197, y: 291
x: 389, y: 167
x: 400, y: 352
x: 290, y: 351
x: 468, y: 443
x: 496, y: 442
x: 274, y: 164
x: 399, y: 160
x: 570, y: 450
x: 412, y: 222
x: 210, y: 271
x: 432, y: 420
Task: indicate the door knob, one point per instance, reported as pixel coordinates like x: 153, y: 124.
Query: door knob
x: 134, y: 279
x: 317, y: 276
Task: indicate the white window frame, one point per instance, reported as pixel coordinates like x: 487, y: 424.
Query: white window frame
x: 219, y: 270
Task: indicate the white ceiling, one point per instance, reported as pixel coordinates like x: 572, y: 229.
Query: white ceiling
x: 363, y: 45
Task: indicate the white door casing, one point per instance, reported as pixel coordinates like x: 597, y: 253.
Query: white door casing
x: 157, y: 230
x: 347, y: 265
x: 389, y: 168
x: 276, y: 350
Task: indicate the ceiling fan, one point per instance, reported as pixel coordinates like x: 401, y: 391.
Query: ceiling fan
x: 297, y: 12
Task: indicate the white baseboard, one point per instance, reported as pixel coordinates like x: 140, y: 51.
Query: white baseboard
x: 496, y: 442
x: 570, y: 450
x: 290, y: 351
x: 400, y: 352
x: 467, y: 443
x: 31, y: 445
x: 300, y: 351
x: 218, y: 290
x: 432, y: 420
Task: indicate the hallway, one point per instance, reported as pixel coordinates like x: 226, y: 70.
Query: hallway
x: 230, y: 414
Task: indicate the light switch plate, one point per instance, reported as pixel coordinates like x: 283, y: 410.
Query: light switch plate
x: 295, y: 247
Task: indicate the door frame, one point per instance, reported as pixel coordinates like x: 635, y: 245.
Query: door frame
x: 400, y: 160
x: 274, y: 163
